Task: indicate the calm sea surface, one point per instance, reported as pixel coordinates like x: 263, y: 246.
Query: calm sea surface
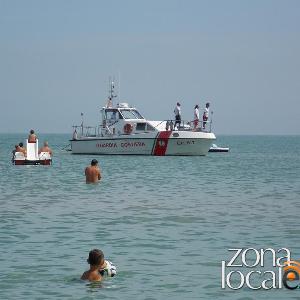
x: 165, y: 222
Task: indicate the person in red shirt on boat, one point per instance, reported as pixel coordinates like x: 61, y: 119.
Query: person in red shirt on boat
x: 46, y: 148
x: 92, y: 172
x: 32, y: 137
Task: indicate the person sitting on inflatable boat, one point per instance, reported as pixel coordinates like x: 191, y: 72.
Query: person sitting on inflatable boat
x: 46, y: 148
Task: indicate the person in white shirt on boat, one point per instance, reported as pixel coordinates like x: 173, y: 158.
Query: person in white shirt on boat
x: 177, y: 112
x: 196, y: 116
x: 75, y: 136
x: 205, y: 114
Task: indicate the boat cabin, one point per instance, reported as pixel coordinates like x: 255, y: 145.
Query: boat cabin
x: 123, y: 119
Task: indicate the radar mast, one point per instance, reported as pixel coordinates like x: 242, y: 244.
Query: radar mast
x: 111, y: 93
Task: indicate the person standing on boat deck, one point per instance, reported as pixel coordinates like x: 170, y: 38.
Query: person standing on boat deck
x: 92, y: 172
x: 46, y: 148
x: 32, y: 137
x: 177, y: 112
x: 75, y: 135
x: 196, y: 116
x: 205, y: 114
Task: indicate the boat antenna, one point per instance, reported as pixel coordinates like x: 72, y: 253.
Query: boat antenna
x: 81, y: 124
x: 111, y: 92
x: 119, y: 87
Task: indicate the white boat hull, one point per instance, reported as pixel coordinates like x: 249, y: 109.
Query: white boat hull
x: 160, y: 144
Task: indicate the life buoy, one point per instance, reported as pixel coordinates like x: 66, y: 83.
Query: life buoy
x: 128, y: 128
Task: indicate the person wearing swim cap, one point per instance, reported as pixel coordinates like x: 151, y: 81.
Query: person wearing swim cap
x: 92, y: 172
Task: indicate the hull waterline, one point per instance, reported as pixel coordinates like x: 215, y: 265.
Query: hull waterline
x: 164, y: 143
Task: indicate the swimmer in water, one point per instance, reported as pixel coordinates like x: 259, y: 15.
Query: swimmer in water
x: 99, y: 267
x: 96, y: 261
x: 92, y: 172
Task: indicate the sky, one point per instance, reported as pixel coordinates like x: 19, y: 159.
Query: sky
x: 242, y: 56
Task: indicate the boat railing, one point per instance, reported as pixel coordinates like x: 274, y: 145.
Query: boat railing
x: 80, y: 131
x: 183, y: 125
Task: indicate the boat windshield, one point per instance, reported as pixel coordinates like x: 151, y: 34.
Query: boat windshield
x: 131, y: 114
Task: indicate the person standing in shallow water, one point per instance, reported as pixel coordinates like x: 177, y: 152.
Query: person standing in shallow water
x: 95, y: 260
x: 99, y: 267
x: 92, y: 172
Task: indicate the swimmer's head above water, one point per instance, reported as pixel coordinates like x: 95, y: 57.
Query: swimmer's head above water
x: 96, y: 257
x: 95, y: 260
x: 94, y: 162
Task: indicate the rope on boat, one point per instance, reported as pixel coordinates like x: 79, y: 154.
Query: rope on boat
x: 66, y: 148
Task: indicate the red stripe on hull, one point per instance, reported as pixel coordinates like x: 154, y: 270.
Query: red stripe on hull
x: 161, y: 143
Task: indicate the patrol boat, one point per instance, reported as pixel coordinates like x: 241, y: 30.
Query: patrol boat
x: 123, y: 130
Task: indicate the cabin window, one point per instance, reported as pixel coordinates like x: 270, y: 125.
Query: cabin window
x: 138, y: 115
x: 150, y: 127
x: 141, y: 126
x: 131, y: 114
x: 112, y: 115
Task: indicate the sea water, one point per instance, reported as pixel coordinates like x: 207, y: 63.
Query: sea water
x: 165, y: 222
